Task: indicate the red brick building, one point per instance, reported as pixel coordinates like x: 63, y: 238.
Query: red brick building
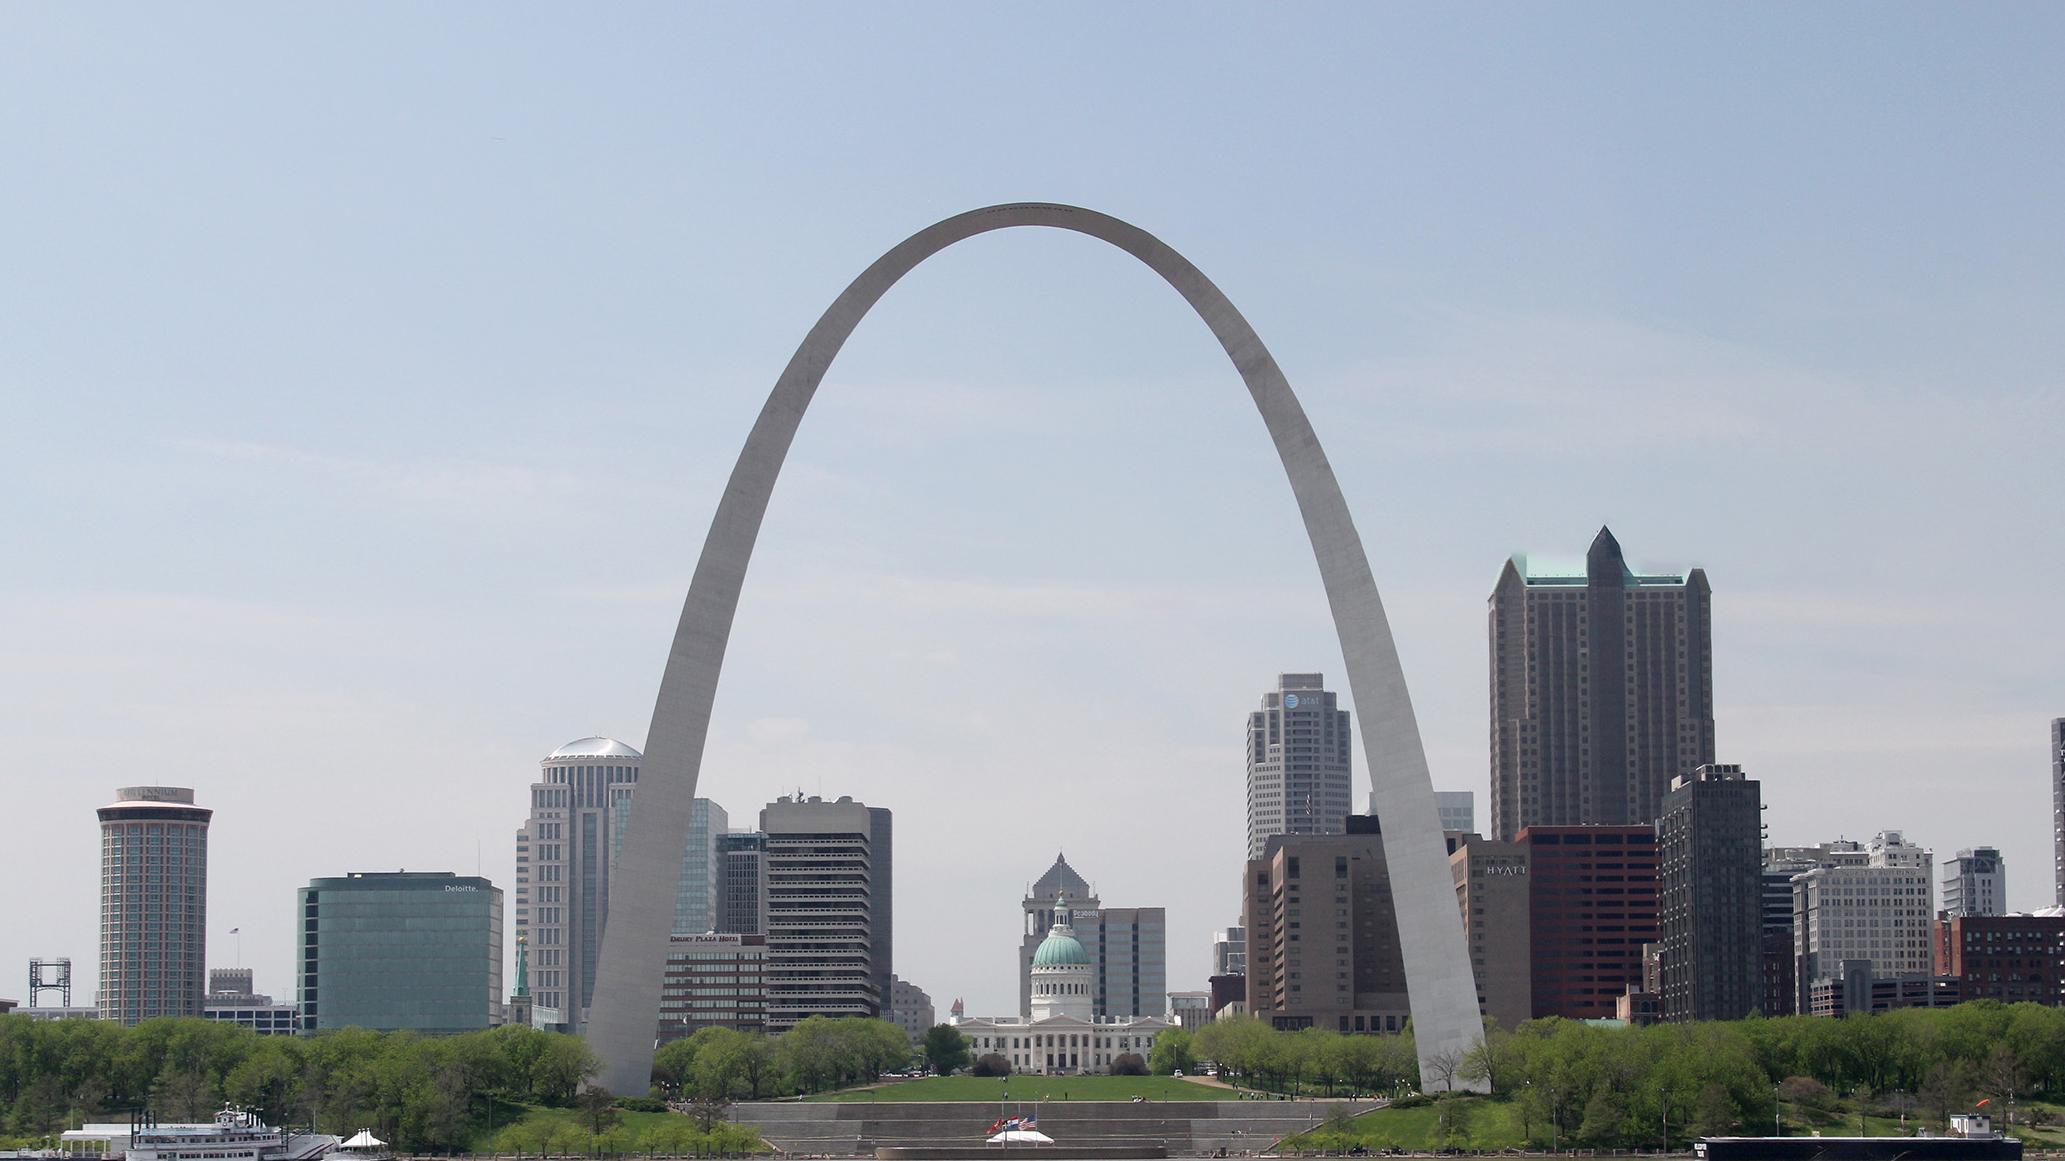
x: 1593, y: 894
x: 2010, y: 958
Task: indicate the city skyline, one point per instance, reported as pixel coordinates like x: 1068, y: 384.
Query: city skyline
x: 316, y: 391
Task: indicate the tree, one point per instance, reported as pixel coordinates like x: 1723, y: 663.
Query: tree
x: 1442, y: 1066
x: 1487, y: 1059
x: 597, y: 1110
x: 557, y: 1072
x: 185, y: 1094
x: 2001, y: 1075
x: 1715, y: 1114
x: 674, y: 1064
x: 1945, y: 1089
x: 1129, y: 1064
x: 706, y: 1111
x: 1606, y: 1119
x: 1172, y: 1053
x: 1452, y: 1124
x: 945, y: 1049
x: 992, y: 1064
x: 1805, y: 1091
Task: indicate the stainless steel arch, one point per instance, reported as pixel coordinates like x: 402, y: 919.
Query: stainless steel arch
x: 628, y: 974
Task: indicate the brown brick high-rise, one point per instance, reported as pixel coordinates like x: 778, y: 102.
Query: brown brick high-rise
x: 1601, y: 691
x: 1593, y: 894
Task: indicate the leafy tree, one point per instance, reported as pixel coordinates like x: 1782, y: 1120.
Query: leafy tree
x: 673, y: 1064
x: 1945, y: 1089
x: 1487, y: 1060
x: 945, y: 1049
x: 185, y: 1094
x: 557, y: 1072
x: 1129, y: 1064
x: 1606, y: 1119
x: 1715, y: 1113
x: 706, y: 1111
x: 2001, y: 1075
x: 598, y: 1110
x: 992, y: 1064
x: 1805, y: 1092
x: 1172, y: 1053
x: 1452, y: 1123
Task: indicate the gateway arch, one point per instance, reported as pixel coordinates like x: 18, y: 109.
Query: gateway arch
x: 626, y: 1003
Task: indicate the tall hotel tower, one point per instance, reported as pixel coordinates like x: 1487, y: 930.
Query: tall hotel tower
x: 153, y: 904
x: 1300, y: 762
x: 1601, y: 691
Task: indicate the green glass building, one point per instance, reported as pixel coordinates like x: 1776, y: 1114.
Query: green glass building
x: 414, y: 950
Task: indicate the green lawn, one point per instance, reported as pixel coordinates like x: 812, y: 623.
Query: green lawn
x: 1033, y: 1088
x: 1474, y: 1123
x: 549, y: 1130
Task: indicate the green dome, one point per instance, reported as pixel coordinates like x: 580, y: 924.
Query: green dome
x: 1057, y: 950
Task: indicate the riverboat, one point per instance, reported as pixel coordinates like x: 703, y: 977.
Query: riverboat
x: 1973, y: 1138
x: 234, y: 1135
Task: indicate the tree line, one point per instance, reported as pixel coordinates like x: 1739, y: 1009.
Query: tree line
x: 420, y: 1092
x: 1614, y: 1087
x: 816, y: 1055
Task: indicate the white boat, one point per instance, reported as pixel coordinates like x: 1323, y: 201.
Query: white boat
x: 235, y: 1135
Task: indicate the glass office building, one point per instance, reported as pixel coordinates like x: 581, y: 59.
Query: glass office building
x: 407, y: 950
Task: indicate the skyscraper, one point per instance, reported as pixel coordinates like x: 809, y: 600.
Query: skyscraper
x: 742, y: 894
x: 1457, y: 810
x: 417, y: 951
x: 1323, y: 943
x: 2058, y: 807
x: 563, y: 853
x: 1975, y: 882
x: 1864, y: 904
x: 1601, y: 690
x: 1300, y: 760
x: 1710, y: 842
x: 696, y: 898
x: 153, y: 904
x: 1592, y: 902
x: 827, y: 889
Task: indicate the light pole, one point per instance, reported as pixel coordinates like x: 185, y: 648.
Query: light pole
x: 1777, y: 1130
x: 1665, y: 1097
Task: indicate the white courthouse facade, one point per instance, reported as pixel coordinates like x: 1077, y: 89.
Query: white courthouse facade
x: 1062, y: 1034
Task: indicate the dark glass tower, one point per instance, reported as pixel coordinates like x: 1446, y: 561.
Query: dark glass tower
x: 1710, y: 844
x: 1601, y: 690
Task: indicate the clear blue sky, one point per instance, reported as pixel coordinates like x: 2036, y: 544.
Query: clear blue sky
x: 370, y: 374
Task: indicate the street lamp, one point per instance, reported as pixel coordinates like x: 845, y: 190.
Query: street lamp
x: 1777, y: 1130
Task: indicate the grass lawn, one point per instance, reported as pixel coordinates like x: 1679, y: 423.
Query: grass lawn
x: 562, y: 1131
x: 1476, y: 1123
x: 1032, y: 1088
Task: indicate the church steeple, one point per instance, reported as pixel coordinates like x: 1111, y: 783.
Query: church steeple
x: 523, y: 965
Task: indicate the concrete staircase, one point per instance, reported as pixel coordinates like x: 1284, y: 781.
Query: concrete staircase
x: 1186, y: 1128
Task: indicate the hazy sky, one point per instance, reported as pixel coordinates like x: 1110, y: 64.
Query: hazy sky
x: 371, y: 373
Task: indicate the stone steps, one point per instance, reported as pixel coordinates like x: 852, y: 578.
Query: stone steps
x: 1183, y: 1127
